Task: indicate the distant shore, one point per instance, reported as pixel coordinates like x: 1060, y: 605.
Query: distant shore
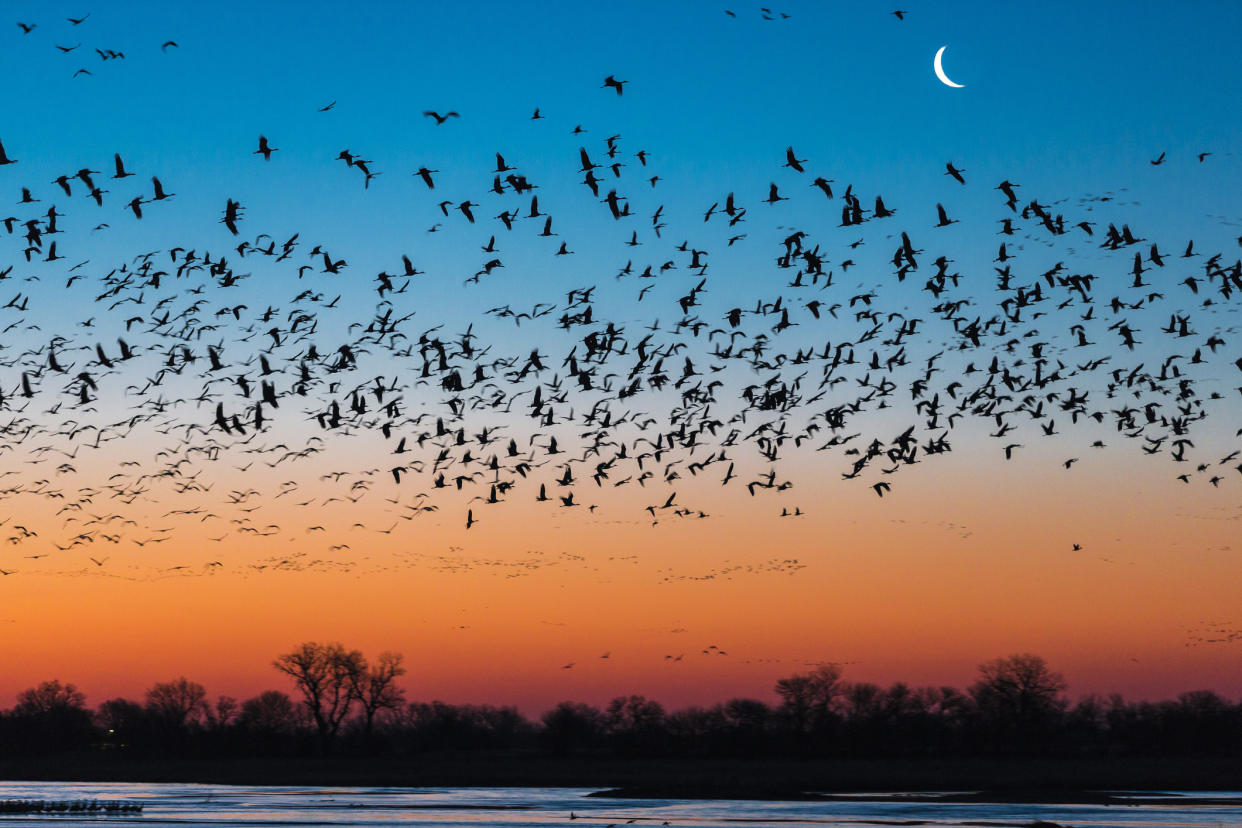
x: 1010, y: 780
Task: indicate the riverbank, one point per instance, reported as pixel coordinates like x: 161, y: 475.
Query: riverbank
x: 1029, y: 780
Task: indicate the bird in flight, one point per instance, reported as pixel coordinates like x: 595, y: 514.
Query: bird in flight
x: 265, y: 149
x: 440, y: 118
x: 792, y: 161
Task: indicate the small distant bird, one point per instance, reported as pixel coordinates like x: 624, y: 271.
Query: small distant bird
x: 78, y: 21
x: 955, y: 172
x: 440, y: 118
x: 265, y: 149
x: 1158, y: 161
x: 536, y: 116
x: 611, y: 81
x: 27, y: 28
x: 900, y: 14
x: 326, y: 108
x: 168, y: 43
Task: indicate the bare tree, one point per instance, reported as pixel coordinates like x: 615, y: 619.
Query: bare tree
x: 57, y: 713
x: 224, y: 713
x: 270, y: 712
x: 49, y: 697
x: 810, y: 699
x: 635, y: 723
x: 376, y: 688
x: 178, y: 702
x: 1019, y: 695
x: 326, y: 675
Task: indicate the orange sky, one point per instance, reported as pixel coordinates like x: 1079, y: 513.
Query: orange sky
x: 953, y: 567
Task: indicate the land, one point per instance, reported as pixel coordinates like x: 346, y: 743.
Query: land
x: 995, y: 780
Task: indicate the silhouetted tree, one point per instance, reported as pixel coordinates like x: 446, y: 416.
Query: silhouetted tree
x: 49, y: 697
x: 635, y: 724
x: 750, y: 724
x: 270, y: 722
x: 178, y: 703
x: 1018, y: 698
x: 1205, y: 723
x: 376, y: 689
x: 223, y: 713
x: 326, y: 675
x: 176, y: 708
x: 126, y: 725
x: 572, y: 726
x: 270, y: 712
x: 51, y: 717
x: 809, y: 700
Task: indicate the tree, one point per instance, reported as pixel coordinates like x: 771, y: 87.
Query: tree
x: 223, y: 713
x: 326, y: 675
x: 635, y: 723
x: 270, y: 723
x: 49, y: 697
x: 810, y: 700
x: 52, y: 716
x: 572, y: 725
x: 178, y: 703
x: 376, y: 688
x: 633, y: 713
x: 270, y: 712
x: 126, y: 724
x: 1018, y: 696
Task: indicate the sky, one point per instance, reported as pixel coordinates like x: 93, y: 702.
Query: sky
x: 161, y: 545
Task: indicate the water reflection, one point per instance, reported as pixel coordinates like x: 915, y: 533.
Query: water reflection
x: 213, y: 805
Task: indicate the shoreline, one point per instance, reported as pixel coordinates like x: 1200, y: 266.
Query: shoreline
x: 1084, y: 781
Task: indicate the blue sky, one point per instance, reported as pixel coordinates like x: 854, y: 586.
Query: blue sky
x: 1067, y: 100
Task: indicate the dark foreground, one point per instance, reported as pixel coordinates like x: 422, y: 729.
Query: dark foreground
x: 214, y: 806
x: 1016, y: 780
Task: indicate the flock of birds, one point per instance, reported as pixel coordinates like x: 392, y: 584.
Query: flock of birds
x: 168, y: 403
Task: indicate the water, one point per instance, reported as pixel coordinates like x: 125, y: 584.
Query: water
x: 219, y: 805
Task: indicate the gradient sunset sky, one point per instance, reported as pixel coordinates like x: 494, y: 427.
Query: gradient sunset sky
x: 213, y: 569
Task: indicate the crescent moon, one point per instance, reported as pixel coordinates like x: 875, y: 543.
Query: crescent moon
x: 940, y: 70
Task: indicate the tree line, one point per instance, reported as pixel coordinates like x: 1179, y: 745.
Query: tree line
x: 344, y: 704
